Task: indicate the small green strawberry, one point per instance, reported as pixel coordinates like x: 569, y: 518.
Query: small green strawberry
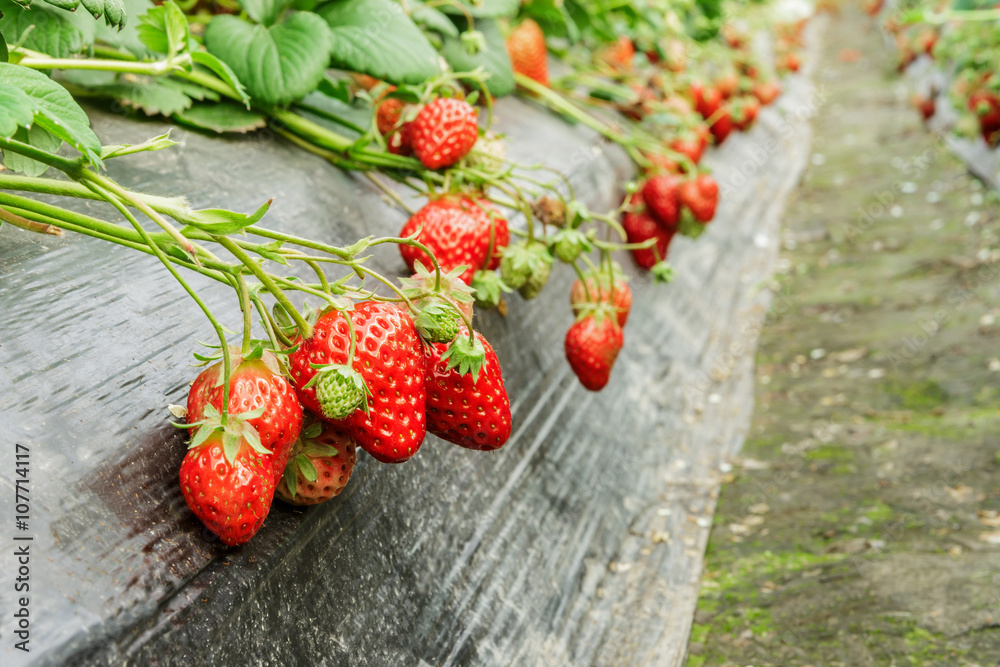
x: 489, y: 288
x: 340, y: 390
x: 568, y: 244
x: 523, y: 262
x: 437, y: 322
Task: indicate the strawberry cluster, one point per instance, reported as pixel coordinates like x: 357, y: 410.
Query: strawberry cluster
x: 371, y: 376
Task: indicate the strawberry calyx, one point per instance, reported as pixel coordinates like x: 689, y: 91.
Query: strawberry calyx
x: 467, y: 354
x: 663, y: 272
x: 236, y: 431
x: 489, y: 287
x: 303, y: 451
x: 340, y: 390
x: 426, y: 286
x: 689, y: 225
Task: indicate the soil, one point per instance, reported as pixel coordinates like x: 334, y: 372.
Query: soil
x: 862, y: 522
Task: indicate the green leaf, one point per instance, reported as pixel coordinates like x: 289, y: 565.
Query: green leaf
x: 338, y: 90
x: 165, y: 29
x: 55, y: 109
x: 492, y: 58
x: 433, y: 19
x: 307, y: 467
x: 483, y: 8
x: 17, y: 110
x: 278, y: 65
x: 376, y: 37
x: 54, y: 32
x: 221, y: 118
x: 38, y: 138
x: 152, y: 95
x: 265, y: 11
x: 220, y: 221
x: 223, y: 71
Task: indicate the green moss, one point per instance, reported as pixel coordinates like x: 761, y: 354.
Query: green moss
x: 880, y: 513
x: 834, y: 453
x: 920, y: 395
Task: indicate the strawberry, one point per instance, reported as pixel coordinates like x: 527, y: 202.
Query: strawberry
x: 728, y: 84
x: 526, y: 266
x: 254, y: 384
x: 466, y: 405
x: 661, y: 164
x: 389, y: 360
x: 457, y: 228
x: 700, y: 195
x: 444, y: 132
x: 599, y: 290
x: 986, y: 105
x: 592, y: 344
x: 722, y: 126
x: 640, y: 226
x: 690, y: 145
x: 766, y: 91
x: 227, y: 482
x: 925, y: 105
x: 388, y: 117
x: 527, y: 51
x: 662, y: 201
x: 321, y: 465
x: 707, y: 100
x: 744, y: 112
x: 620, y: 54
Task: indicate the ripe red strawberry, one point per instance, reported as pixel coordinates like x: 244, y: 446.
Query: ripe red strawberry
x: 387, y: 120
x: 640, y: 227
x: 231, y: 495
x: 662, y: 200
x: 253, y: 385
x: 690, y: 145
x: 527, y: 51
x: 599, y: 290
x: 925, y: 105
x: 469, y: 409
x: 444, y: 132
x: 766, y: 91
x: 321, y: 465
x: 457, y: 230
x: 723, y: 126
x: 745, y: 112
x: 661, y: 164
x: 789, y: 62
x: 620, y: 54
x: 986, y: 105
x: 728, y: 84
x: 592, y: 344
x: 700, y: 195
x: 707, y: 100
x: 390, y: 360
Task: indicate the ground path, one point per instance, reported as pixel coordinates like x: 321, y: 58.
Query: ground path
x: 861, y: 526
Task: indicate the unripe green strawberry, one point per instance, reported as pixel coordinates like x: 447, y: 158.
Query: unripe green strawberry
x: 340, y: 391
x: 568, y: 244
x: 437, y: 323
x: 523, y: 261
x: 488, y: 153
x: 538, y: 278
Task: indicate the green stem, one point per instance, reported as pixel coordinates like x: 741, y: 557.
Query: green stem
x: 305, y: 329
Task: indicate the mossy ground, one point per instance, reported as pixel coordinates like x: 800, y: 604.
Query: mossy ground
x: 861, y: 525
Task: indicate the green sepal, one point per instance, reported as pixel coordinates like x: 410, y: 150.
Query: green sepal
x: 291, y: 478
x: 467, y: 355
x: 568, y: 244
x: 202, y: 434
x: 319, y: 450
x: 689, y: 226
x: 489, y: 288
x: 662, y: 272
x: 231, y: 445
x: 307, y: 467
x: 312, y: 431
